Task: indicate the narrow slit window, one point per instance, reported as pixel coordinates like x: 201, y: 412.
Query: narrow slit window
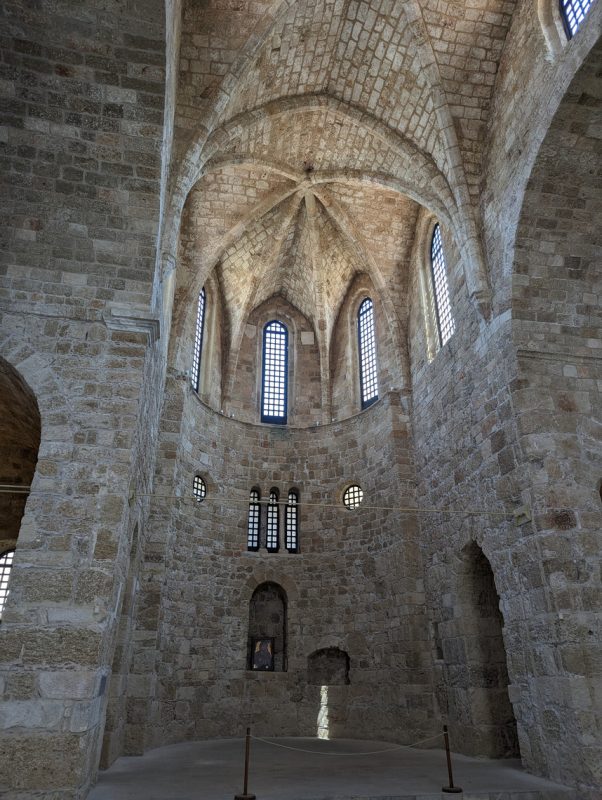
x: 446, y: 325
x: 195, y: 377
x: 6, y: 562
x: 275, y: 373
x: 292, y: 522
x: 273, y: 527
x: 573, y: 13
x: 253, y: 521
x: 367, y: 353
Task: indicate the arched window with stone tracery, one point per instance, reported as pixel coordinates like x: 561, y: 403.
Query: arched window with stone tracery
x: 195, y: 376
x: 274, y: 374
x: 441, y: 304
x: 366, y: 336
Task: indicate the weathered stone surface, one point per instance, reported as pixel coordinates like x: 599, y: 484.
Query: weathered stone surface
x: 292, y: 159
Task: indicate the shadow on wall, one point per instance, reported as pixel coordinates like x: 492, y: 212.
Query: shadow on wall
x: 480, y: 712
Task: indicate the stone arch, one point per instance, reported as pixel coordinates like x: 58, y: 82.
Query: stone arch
x: 563, y: 181
x: 543, y: 95
x: 557, y: 332
x: 30, y: 376
x: 328, y: 666
x: 216, y: 341
x: 431, y: 189
x: 479, y: 710
x: 427, y: 185
x: 243, y: 372
x: 268, y: 608
x: 20, y: 434
x: 552, y: 27
x: 344, y: 377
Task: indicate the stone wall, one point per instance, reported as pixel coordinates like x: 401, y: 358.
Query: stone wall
x: 504, y: 419
x: 355, y: 583
x: 80, y: 139
x: 557, y: 330
x: 304, y: 386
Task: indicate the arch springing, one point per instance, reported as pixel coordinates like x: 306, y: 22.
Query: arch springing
x: 573, y: 13
x: 291, y: 530
x: 6, y: 562
x: 444, y: 318
x: 367, y: 353
x: 195, y: 376
x: 272, y: 542
x: 253, y: 520
x: 274, y: 376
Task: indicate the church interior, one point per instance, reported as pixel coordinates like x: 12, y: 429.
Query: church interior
x: 300, y: 380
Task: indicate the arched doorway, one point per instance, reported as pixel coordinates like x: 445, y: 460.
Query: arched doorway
x: 19, y: 443
x: 480, y: 713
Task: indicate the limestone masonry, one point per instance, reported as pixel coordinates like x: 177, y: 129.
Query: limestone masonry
x: 292, y: 158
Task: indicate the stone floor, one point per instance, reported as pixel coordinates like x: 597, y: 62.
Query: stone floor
x: 342, y: 769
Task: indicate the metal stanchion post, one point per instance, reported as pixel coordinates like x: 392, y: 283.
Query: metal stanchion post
x: 245, y: 792
x: 451, y: 788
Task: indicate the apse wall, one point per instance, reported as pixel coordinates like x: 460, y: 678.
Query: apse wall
x: 355, y: 584
x: 506, y: 419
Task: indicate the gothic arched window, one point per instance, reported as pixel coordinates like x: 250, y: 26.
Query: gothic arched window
x: 195, y: 376
x: 274, y: 376
x: 443, y: 313
x: 573, y: 13
x: 291, y: 528
x: 6, y: 562
x: 367, y: 353
x: 272, y: 541
x: 253, y: 520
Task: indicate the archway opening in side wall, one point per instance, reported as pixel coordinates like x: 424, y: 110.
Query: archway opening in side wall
x: 481, y: 716
x: 20, y: 429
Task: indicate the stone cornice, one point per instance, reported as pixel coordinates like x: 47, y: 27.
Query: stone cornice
x: 134, y: 320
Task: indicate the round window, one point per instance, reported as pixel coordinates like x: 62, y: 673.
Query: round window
x: 353, y: 497
x: 199, y: 488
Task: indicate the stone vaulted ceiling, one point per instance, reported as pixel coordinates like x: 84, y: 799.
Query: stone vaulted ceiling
x: 307, y: 133
x: 305, y: 239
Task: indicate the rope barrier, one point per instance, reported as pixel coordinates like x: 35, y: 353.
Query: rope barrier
x: 449, y: 788
x: 367, y: 753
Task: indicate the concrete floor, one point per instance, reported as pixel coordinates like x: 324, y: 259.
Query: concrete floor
x: 212, y: 770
